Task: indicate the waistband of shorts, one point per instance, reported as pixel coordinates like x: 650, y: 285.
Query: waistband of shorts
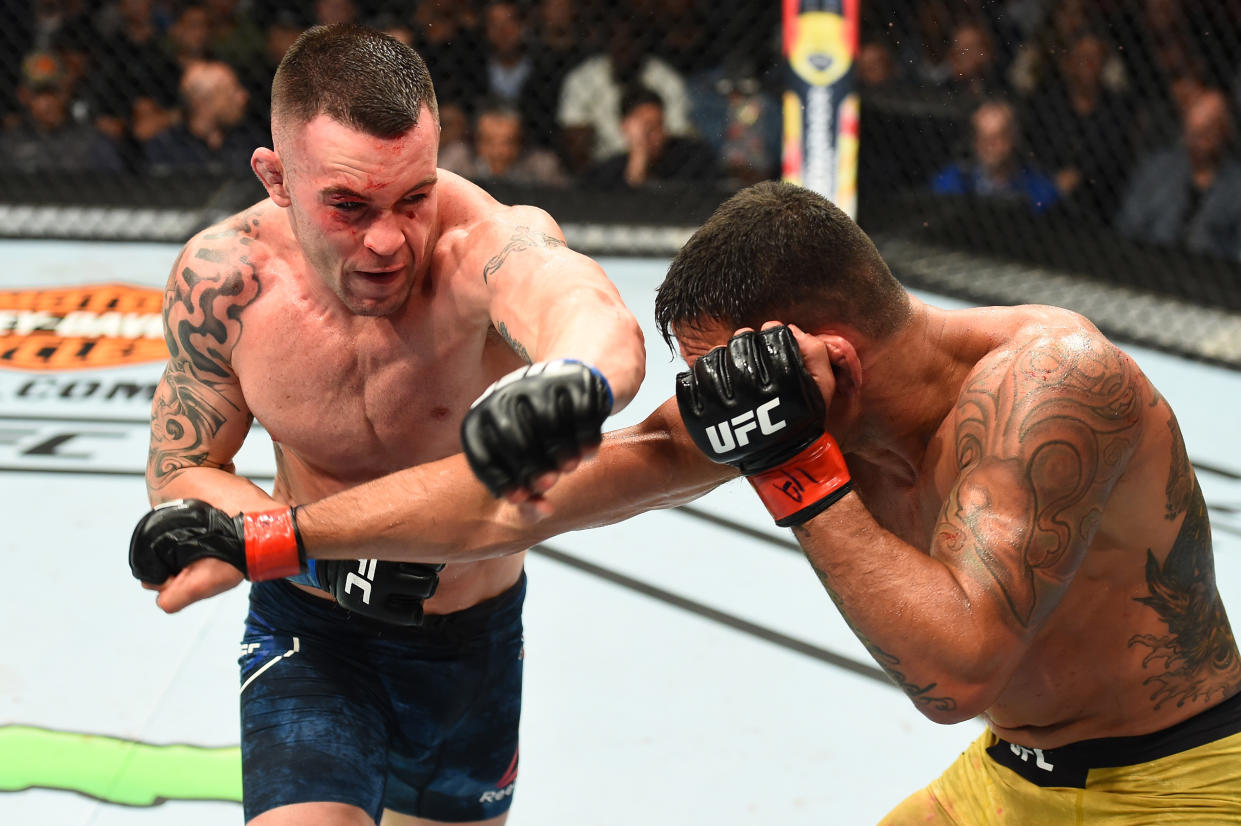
x: 1215, y: 723
x: 493, y: 612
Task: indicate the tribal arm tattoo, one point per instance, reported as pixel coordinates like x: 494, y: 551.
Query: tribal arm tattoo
x: 523, y: 238
x: 1041, y: 438
x: 198, y: 416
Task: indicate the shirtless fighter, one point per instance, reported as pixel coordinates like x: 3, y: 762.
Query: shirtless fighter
x: 1004, y: 512
x: 357, y: 313
x: 997, y: 500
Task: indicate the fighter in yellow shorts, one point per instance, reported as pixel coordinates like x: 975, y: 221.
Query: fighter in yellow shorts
x: 1184, y: 774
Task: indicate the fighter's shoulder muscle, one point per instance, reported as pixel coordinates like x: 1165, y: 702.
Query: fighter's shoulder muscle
x: 1052, y: 368
x: 480, y: 233
x: 215, y: 276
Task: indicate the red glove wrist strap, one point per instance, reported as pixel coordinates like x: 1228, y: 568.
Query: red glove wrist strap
x: 807, y: 479
x: 271, y: 545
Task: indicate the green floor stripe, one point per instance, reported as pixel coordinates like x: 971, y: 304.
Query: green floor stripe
x: 116, y: 770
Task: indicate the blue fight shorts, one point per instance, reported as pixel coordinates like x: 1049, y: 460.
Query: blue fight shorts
x: 421, y: 720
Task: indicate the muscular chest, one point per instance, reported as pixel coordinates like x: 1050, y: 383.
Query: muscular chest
x: 355, y: 403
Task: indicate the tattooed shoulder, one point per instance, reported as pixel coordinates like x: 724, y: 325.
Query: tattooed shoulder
x: 522, y: 238
x: 213, y: 280
x: 1042, y: 433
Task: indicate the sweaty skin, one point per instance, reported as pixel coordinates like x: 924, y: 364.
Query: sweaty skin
x: 1026, y: 539
x: 356, y: 314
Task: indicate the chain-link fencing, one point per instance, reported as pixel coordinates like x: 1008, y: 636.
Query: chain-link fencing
x: 1010, y: 150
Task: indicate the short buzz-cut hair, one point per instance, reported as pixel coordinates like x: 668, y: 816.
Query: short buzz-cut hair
x: 776, y: 251
x: 360, y: 77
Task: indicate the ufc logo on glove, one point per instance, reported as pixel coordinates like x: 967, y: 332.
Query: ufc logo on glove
x: 723, y: 437
x: 362, y: 579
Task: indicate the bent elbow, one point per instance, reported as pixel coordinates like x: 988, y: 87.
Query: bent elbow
x: 629, y: 370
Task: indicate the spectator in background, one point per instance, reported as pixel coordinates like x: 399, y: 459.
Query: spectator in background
x: 500, y: 153
x: 560, y: 42
x: 738, y: 119
x: 1158, y: 41
x: 43, y: 137
x: 281, y: 30
x: 1035, y: 64
x: 327, y: 12
x: 454, y: 131
x: 73, y: 49
x: 973, y: 69
x: 925, y: 53
x: 508, y: 64
x: 213, y: 136
x: 995, y: 170
x: 236, y: 38
x: 134, y: 81
x: 450, y: 48
x: 677, y: 33
x: 652, y: 156
x: 1081, y: 130
x: 1189, y: 195
x: 875, y: 67
x: 51, y: 19
x: 590, y: 111
x: 398, y: 27
x: 188, y: 39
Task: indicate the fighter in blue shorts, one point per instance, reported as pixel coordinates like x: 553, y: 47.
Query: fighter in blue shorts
x: 359, y: 313
x: 428, y: 712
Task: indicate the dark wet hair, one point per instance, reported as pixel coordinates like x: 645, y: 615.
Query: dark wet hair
x: 777, y: 251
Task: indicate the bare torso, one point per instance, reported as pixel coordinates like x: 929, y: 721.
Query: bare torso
x: 1139, y: 640
x: 349, y: 398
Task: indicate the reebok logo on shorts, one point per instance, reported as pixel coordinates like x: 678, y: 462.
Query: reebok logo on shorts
x: 497, y: 795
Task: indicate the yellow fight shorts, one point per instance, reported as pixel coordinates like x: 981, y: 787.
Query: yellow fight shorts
x: 1189, y: 773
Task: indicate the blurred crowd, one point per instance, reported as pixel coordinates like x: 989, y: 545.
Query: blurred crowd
x: 1118, y: 113
x: 627, y: 94
x: 1115, y: 113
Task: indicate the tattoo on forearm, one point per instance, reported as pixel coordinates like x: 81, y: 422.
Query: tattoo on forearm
x: 1199, y: 653
x: 920, y: 695
x: 186, y: 413
x: 523, y: 238
x: 518, y: 347
x: 1040, y: 440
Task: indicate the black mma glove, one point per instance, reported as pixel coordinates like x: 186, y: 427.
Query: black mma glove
x: 391, y: 592
x: 752, y: 405
x: 262, y: 545
x: 532, y: 421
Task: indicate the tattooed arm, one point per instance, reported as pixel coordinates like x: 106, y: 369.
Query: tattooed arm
x: 549, y: 302
x: 1041, y: 436
x: 198, y: 416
